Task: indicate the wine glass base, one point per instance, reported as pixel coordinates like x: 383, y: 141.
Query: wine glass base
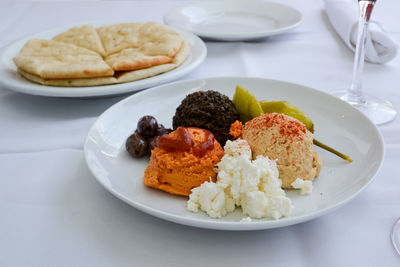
x: 377, y: 110
x: 395, y: 236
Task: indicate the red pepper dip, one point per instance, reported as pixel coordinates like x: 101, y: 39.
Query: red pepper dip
x: 183, y: 160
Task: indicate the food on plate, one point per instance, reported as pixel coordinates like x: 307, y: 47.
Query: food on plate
x: 132, y: 46
x: 246, y: 104
x: 137, y: 145
x: 147, y: 126
x: 86, y: 56
x: 145, y: 137
x: 305, y: 186
x: 134, y: 59
x: 117, y: 37
x: 253, y: 185
x: 49, y: 59
x: 183, y: 160
x: 209, y: 110
x: 273, y: 150
x: 151, y: 38
x: 249, y: 107
x: 332, y: 150
x: 287, y: 140
x: 285, y: 107
x: 236, y: 129
x: 83, y: 36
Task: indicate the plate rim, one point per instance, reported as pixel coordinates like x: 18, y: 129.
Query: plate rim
x: 234, y: 36
x: 105, y: 90
x: 233, y: 225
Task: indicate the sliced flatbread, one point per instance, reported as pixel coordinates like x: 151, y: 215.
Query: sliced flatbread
x: 69, y: 82
x: 152, y: 71
x: 119, y: 36
x: 121, y: 78
x: 49, y: 59
x: 84, y: 36
x: 151, y: 38
x: 134, y: 59
x: 157, y: 39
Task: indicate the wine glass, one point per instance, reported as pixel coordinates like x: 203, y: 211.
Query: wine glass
x: 378, y: 110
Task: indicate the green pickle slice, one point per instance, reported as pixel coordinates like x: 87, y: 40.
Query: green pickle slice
x: 246, y: 104
x: 287, y: 108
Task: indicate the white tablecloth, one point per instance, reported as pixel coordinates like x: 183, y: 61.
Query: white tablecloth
x: 54, y: 213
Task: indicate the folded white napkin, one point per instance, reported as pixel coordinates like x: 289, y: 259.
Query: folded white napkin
x: 343, y: 15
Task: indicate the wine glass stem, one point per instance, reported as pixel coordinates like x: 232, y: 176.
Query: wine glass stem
x: 355, y: 93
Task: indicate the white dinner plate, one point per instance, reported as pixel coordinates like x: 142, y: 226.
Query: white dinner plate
x: 336, y: 123
x: 234, y: 20
x: 10, y: 79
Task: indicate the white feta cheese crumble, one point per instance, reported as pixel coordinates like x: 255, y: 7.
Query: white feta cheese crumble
x: 211, y: 198
x: 305, y: 186
x: 253, y: 185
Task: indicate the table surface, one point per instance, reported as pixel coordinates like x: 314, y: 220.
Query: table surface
x: 54, y: 213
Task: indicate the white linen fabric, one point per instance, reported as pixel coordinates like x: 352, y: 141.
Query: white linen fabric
x: 343, y: 15
x: 54, y: 213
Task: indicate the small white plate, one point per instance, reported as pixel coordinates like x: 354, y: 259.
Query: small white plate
x: 336, y: 123
x: 234, y: 20
x: 10, y: 79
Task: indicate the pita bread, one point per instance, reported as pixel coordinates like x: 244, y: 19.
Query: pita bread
x: 119, y: 36
x: 69, y: 82
x: 120, y: 78
x: 152, y: 71
x: 84, y: 36
x: 49, y: 59
x: 157, y: 39
x: 152, y: 38
x: 85, y: 56
x: 134, y: 59
x: 142, y: 45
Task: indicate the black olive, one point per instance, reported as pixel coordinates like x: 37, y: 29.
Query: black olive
x: 153, y: 142
x: 147, y: 126
x: 136, y: 145
x: 162, y: 130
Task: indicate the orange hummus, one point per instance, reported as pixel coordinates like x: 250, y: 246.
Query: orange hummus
x: 178, y: 172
